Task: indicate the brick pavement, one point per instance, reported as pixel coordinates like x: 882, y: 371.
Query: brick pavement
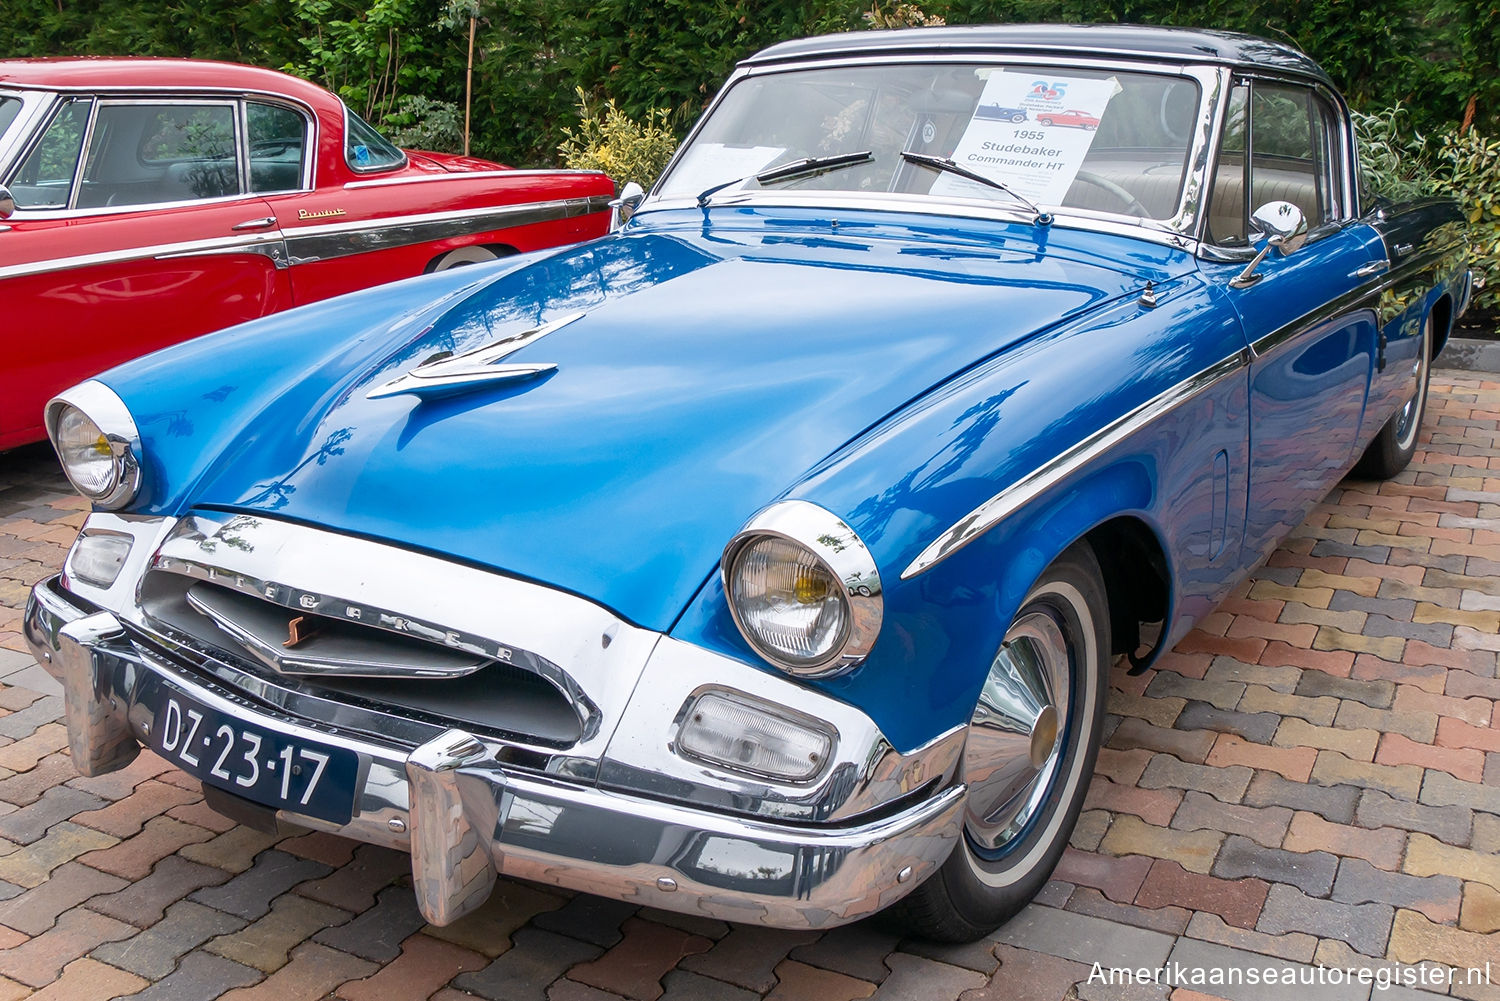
x: 1311, y: 777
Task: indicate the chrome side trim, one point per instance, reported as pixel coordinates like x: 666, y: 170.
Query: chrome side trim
x: 1038, y: 481
x: 268, y: 244
x: 390, y: 182
x: 306, y: 245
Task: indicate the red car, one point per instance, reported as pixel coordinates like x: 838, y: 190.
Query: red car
x: 1076, y: 119
x: 146, y: 201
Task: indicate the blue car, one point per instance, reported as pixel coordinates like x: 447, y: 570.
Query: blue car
x: 1000, y: 113
x: 765, y: 559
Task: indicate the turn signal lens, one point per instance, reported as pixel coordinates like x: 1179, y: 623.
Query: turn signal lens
x: 745, y: 737
x: 98, y: 559
x: 788, y: 603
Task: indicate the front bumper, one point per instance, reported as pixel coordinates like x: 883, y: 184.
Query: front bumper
x: 465, y: 816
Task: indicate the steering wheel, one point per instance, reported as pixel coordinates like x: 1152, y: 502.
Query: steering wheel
x: 1132, y: 204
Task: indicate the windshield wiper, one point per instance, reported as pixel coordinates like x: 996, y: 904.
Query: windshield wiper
x: 804, y: 167
x: 945, y: 164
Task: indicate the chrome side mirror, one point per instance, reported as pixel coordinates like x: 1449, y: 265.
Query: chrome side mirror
x: 7, y: 203
x: 624, y: 206
x: 1284, y: 227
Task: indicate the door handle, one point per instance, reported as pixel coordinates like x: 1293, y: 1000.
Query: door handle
x: 264, y: 223
x: 1373, y: 268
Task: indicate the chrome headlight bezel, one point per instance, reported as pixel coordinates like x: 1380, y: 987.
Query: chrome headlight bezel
x: 838, y: 548
x: 100, y: 405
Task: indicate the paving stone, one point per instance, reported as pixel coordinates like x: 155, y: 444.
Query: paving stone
x: 1410, y: 699
x: 1481, y: 909
x: 353, y: 886
x: 34, y: 911
x: 266, y: 944
x: 1447, y: 823
x: 1122, y: 767
x: 1193, y: 850
x: 914, y: 978
x: 1426, y: 856
x: 377, y: 934
x: 123, y: 782
x: 856, y: 950
x: 200, y: 814
x: 1155, y: 806
x: 249, y: 894
x: 1280, y: 677
x: 800, y: 982
x: 38, y: 961
x: 559, y: 990
x: 1083, y: 939
x: 1414, y: 938
x: 1312, y: 872
x: 1358, y: 745
x: 1206, y: 967
x: 1226, y: 784
x: 1260, y: 699
x: 1460, y: 762
x: 134, y: 858
x: 1335, y: 803
x: 1089, y: 830
x: 1238, y: 902
x: 1189, y: 745
x: 143, y: 902
x: 977, y: 956
x: 684, y: 986
x: 124, y: 818
x: 24, y: 722
x: 637, y: 964
x: 1438, y: 789
x: 523, y: 972
x: 199, y: 976
x: 1426, y: 677
x: 592, y: 919
x: 1158, y: 712
x: 1294, y: 763
x: 1381, y: 847
x: 66, y: 841
x: 83, y: 980
x: 319, y: 846
x: 1257, y: 727
x: 1169, y: 920
x: 1359, y: 882
x: 1366, y: 927
x: 154, y: 953
x: 511, y: 905
x: 1376, y: 694
x: 1332, y: 768
x: 425, y: 965
x: 1294, y: 946
x: 28, y: 787
x: 234, y: 850
x: 1220, y: 694
x: 1025, y: 975
x: 697, y: 924
x: 1117, y: 878
x: 747, y: 956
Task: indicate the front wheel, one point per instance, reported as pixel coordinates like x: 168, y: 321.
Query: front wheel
x: 1396, y: 443
x: 1029, y: 755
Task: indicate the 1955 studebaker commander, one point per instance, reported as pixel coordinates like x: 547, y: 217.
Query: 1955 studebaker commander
x: 763, y: 559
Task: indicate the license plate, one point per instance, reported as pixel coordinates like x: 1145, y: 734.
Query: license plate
x: 286, y: 773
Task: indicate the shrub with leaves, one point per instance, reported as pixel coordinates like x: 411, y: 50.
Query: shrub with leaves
x: 607, y: 139
x: 421, y: 123
x: 900, y: 15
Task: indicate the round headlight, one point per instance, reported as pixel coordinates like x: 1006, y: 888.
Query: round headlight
x: 803, y: 589
x: 789, y: 601
x: 97, y: 441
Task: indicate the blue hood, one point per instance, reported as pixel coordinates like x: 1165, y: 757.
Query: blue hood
x: 710, y: 371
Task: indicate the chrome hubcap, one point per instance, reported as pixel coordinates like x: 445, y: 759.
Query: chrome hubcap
x: 1015, y: 736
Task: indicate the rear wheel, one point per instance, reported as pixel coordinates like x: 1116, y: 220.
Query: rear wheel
x: 463, y: 256
x: 1029, y: 755
x: 1396, y: 443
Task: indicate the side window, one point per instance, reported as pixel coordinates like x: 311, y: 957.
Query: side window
x: 45, y: 179
x: 1227, y: 214
x: 142, y: 154
x: 1286, y: 158
x: 365, y: 149
x: 278, y: 147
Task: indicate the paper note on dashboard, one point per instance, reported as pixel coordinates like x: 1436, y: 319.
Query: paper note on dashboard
x: 1030, y: 131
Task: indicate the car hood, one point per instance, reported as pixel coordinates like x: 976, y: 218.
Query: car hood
x: 709, y: 371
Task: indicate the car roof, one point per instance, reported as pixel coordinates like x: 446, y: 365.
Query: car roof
x: 1121, y: 41
x: 138, y: 74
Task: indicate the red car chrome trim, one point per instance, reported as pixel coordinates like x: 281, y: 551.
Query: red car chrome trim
x: 383, y: 182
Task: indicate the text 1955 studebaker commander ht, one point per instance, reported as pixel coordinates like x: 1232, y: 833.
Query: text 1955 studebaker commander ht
x: 765, y: 558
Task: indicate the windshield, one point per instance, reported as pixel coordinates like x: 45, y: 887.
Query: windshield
x: 1096, y: 139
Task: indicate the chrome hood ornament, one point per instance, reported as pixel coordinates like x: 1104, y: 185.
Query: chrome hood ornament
x: 446, y: 374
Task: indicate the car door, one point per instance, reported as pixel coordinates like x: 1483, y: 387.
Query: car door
x: 1309, y: 315
x: 133, y: 230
